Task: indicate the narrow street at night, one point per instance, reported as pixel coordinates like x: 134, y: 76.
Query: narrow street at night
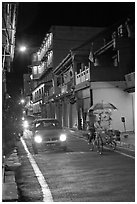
x: 68, y: 101
x: 78, y: 174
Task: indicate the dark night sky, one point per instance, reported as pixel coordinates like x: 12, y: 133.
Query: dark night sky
x: 35, y: 18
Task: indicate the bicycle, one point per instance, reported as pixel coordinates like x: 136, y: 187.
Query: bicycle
x: 96, y: 142
x: 110, y: 139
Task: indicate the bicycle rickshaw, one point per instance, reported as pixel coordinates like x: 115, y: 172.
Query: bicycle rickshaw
x: 104, y: 135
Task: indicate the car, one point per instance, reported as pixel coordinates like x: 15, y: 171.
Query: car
x: 47, y: 133
x: 27, y: 121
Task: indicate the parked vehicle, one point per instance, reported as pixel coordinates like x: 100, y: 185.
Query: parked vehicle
x: 48, y: 133
x: 27, y: 121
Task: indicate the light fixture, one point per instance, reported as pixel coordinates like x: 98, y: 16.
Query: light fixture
x: 22, y: 101
x: 23, y: 48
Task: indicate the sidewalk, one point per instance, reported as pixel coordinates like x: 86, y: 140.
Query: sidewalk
x: 9, y: 187
x: 127, y: 139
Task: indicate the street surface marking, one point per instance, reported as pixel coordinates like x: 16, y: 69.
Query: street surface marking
x: 76, y: 152
x: 127, y: 155
x: 47, y: 196
x: 126, y: 149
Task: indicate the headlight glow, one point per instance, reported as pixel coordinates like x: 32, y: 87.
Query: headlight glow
x: 63, y: 137
x: 25, y: 124
x: 38, y: 139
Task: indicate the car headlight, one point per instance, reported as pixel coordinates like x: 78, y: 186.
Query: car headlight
x: 38, y: 139
x: 25, y: 124
x: 63, y: 137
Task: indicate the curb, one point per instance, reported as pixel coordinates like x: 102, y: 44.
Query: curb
x: 121, y: 144
x: 9, y: 186
x: 126, y: 145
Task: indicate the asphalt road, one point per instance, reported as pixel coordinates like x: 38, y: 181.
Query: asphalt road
x: 77, y: 175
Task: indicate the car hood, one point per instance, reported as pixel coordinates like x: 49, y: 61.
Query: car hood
x: 50, y: 132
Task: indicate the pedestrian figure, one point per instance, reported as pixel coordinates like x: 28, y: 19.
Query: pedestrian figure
x: 91, y: 128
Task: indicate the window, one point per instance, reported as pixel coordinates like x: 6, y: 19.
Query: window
x: 8, y: 9
x: 71, y: 73
x: 47, y: 93
x: 78, y: 67
x: 107, y: 58
x: 39, y: 92
x: 35, y: 70
x: 58, y: 81
x: 115, y: 60
x: 62, y: 79
x: 47, y: 124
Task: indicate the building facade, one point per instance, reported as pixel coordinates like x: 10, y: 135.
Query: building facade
x: 9, y: 15
x: 112, y: 72
x: 28, y: 85
x: 71, y: 75
x: 54, y: 48
x: 105, y: 72
x: 100, y: 68
x: 27, y: 93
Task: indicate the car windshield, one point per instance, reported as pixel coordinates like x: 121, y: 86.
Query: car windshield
x: 30, y: 119
x: 47, y: 124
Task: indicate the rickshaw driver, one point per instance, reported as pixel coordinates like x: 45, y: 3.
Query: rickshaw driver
x: 91, y: 119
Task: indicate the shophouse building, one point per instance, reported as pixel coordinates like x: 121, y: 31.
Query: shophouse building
x: 76, y: 76
x: 101, y: 69
x: 27, y: 93
x: 28, y: 85
x: 112, y: 72
x: 9, y: 15
x: 72, y: 75
x: 55, y: 46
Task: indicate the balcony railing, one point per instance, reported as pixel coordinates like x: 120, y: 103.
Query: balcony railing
x: 82, y: 76
x: 104, y: 48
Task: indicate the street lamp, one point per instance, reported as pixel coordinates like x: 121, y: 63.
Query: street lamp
x: 22, y: 101
x: 22, y: 48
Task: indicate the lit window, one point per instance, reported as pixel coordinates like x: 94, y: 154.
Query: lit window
x: 78, y: 68
x: 35, y: 71
x: 8, y: 8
